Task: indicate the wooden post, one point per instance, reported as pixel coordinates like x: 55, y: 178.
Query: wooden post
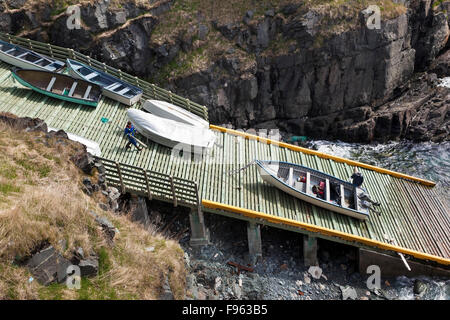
x: 148, y: 184
x: 173, y: 192
x: 120, y: 177
x: 188, y: 104
x: 50, y: 50
x: 153, y: 90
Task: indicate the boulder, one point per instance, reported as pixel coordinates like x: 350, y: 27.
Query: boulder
x: 48, y: 266
x: 89, y: 266
x: 84, y: 160
x: 348, y: 292
x: 108, y: 228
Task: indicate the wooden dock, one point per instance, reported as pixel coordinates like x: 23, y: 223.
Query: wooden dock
x: 412, y: 212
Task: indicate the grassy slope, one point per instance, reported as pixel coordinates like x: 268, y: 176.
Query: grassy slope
x: 41, y: 200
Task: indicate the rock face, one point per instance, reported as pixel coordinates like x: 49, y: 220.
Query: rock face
x: 48, y: 266
x: 279, y: 68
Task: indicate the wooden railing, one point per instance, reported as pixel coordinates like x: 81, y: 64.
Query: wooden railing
x: 151, y: 184
x: 150, y: 91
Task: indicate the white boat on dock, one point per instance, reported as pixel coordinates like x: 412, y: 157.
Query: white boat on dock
x: 330, y: 192
x: 170, y: 111
x: 168, y: 132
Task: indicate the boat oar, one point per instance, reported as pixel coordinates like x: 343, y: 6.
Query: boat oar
x: 106, y: 120
x: 402, y: 256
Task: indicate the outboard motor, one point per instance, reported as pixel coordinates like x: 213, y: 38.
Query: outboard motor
x: 357, y: 179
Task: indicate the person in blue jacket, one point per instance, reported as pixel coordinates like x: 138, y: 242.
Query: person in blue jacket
x: 130, y: 131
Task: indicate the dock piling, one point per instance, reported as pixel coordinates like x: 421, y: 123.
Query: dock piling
x: 310, y: 251
x: 254, y: 241
x: 199, y: 232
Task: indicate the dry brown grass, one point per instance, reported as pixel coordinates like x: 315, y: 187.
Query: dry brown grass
x: 43, y: 202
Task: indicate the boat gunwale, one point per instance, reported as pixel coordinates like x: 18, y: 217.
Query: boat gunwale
x: 261, y: 162
x: 139, y: 91
x: 51, y: 60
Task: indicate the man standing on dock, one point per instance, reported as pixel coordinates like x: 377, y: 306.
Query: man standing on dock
x: 130, y: 131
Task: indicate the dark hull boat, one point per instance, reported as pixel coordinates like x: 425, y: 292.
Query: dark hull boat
x: 27, y: 59
x: 59, y: 86
x: 112, y: 87
x: 315, y: 187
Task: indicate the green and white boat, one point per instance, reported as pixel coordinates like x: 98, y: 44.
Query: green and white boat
x: 59, y: 86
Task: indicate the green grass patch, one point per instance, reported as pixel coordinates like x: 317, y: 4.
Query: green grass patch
x: 42, y: 170
x: 7, y: 188
x: 52, y: 292
x: 7, y: 171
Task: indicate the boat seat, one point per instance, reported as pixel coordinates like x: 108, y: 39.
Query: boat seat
x: 36, y: 62
x: 342, y: 196
x: 308, y: 183
x: 91, y: 75
x: 290, y: 181
x: 21, y: 55
x: 50, y: 84
x: 12, y: 49
x: 123, y: 91
x: 356, y: 199
x: 113, y: 86
x: 327, y: 190
x: 86, y: 94
x: 72, y: 89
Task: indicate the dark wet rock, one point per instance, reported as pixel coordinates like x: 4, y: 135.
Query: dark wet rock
x: 108, y: 228
x: 89, y: 266
x: 100, y: 168
x: 84, y: 160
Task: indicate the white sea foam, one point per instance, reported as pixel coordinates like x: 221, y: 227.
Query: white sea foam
x: 445, y: 82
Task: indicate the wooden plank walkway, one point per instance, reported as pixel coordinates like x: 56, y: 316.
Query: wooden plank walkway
x: 412, y: 213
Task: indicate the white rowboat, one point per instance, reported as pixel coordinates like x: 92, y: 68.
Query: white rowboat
x: 168, y: 132
x: 167, y: 110
x: 339, y: 196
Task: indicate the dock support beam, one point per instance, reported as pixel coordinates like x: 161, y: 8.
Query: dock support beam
x: 254, y: 242
x: 310, y: 251
x: 199, y: 232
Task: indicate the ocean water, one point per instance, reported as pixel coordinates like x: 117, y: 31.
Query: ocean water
x: 426, y: 160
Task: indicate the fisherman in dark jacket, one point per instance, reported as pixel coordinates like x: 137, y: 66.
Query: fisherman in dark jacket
x: 130, y: 131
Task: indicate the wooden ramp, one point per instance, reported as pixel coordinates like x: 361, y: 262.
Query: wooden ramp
x: 412, y: 212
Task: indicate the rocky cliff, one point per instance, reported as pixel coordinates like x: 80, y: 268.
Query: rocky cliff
x: 311, y: 68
